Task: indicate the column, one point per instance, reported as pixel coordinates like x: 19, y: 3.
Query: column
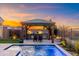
x: 26, y: 29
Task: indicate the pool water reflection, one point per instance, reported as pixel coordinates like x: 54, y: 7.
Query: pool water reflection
x: 40, y: 50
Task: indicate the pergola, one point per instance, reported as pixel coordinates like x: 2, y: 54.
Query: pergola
x: 37, y: 22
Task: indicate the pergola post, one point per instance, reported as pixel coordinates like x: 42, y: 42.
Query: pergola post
x: 26, y: 29
x: 51, y: 34
x: 49, y: 30
x: 22, y: 32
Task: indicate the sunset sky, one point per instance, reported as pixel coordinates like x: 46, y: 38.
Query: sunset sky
x: 62, y: 14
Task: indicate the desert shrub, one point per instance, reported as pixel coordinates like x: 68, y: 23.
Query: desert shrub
x: 77, y: 46
x: 69, y: 45
x: 63, y: 43
x: 11, y: 41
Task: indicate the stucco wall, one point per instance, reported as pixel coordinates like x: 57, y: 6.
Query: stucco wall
x: 3, y: 32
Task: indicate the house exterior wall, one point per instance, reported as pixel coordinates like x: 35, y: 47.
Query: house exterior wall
x: 4, y: 32
x: 1, y: 32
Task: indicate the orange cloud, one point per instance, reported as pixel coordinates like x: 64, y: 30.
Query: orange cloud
x: 24, y: 15
x: 11, y: 13
x: 11, y: 23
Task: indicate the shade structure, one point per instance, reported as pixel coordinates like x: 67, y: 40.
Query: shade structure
x: 48, y: 24
x: 37, y: 22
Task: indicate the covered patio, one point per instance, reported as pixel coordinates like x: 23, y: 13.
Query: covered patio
x: 44, y: 27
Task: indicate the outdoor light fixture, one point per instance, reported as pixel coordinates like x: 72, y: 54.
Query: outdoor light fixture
x: 40, y: 32
x: 14, y: 37
x: 29, y: 32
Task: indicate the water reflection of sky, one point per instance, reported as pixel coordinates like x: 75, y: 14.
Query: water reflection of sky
x: 41, y: 51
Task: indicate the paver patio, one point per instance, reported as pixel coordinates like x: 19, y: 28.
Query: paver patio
x: 3, y: 46
x: 13, y: 51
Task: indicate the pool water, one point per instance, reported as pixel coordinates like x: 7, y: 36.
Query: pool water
x: 40, y: 50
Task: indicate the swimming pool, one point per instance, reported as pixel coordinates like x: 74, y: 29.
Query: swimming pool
x: 38, y: 50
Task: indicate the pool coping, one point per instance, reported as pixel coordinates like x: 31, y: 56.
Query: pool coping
x: 8, y: 47
x: 64, y: 51
x: 60, y: 48
x: 18, y: 53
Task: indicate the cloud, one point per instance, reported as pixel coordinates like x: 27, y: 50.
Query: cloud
x: 11, y: 23
x: 36, y: 6
x: 17, y: 13
x: 60, y: 21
